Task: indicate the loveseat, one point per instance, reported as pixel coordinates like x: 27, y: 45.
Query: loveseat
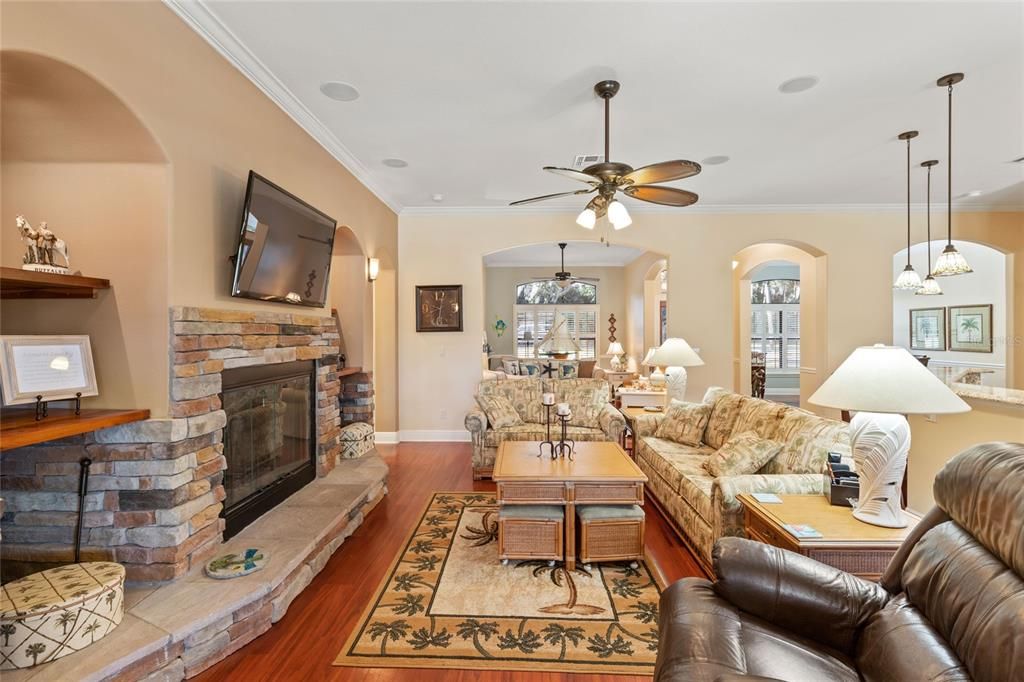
x: 703, y: 507
x: 594, y: 417
x: 950, y: 605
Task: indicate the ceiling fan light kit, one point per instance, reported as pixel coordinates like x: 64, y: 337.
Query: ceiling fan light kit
x: 608, y: 178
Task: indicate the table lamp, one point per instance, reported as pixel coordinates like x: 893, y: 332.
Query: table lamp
x: 615, y: 350
x: 883, y: 383
x: 656, y: 376
x: 675, y: 355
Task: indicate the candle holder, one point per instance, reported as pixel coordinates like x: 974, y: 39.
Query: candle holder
x: 565, y: 446
x: 547, y: 426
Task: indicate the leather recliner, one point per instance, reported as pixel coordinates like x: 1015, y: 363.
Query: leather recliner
x: 949, y: 607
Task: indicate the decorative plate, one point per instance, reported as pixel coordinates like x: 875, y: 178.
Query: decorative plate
x: 236, y: 565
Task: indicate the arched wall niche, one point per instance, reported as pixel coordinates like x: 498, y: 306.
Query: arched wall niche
x: 353, y: 298
x: 812, y: 263
x: 77, y: 157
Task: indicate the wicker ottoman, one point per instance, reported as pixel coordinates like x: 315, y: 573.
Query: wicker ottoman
x: 356, y: 440
x: 57, y: 612
x: 530, y: 532
x: 610, y: 533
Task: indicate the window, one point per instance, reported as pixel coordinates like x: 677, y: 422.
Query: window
x: 775, y: 323
x: 535, y: 312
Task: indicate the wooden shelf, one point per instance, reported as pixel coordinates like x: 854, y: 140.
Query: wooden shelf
x: 18, y: 426
x: 347, y: 371
x: 18, y: 283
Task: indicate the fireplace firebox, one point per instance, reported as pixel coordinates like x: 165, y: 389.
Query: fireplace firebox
x: 270, y: 437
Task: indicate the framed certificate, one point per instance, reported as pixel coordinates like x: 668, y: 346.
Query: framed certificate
x: 46, y: 367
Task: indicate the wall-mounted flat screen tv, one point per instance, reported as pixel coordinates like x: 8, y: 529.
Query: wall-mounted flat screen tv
x: 284, y: 247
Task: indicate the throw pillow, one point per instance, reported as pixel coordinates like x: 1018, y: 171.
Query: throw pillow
x: 744, y: 453
x: 684, y: 422
x: 568, y: 370
x: 499, y: 410
x: 511, y: 367
x: 586, y: 405
x: 531, y: 369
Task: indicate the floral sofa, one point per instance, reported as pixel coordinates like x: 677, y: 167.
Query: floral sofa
x: 594, y: 417
x: 703, y: 507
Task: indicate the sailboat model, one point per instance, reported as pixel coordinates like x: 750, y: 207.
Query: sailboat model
x: 558, y: 343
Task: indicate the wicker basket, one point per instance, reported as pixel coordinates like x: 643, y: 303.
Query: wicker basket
x: 530, y: 532
x: 610, y: 533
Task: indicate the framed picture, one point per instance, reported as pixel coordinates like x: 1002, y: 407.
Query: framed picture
x: 928, y: 329
x: 47, y: 367
x: 970, y: 328
x: 439, y: 308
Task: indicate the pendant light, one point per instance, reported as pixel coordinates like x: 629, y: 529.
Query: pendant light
x: 951, y: 262
x: 908, y: 279
x: 931, y: 285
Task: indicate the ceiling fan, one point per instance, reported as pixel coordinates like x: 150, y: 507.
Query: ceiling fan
x: 607, y: 178
x: 563, y: 278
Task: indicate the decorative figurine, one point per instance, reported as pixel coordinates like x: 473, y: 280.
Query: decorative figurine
x: 42, y: 246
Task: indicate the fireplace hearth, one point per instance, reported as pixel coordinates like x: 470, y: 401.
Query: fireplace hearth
x: 269, y: 438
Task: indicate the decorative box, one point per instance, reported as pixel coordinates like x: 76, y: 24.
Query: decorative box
x: 530, y: 532
x: 356, y: 440
x: 48, y: 615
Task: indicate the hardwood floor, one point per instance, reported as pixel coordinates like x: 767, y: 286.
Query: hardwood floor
x: 305, y: 642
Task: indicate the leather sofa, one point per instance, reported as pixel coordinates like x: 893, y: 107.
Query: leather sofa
x: 950, y: 605
x: 525, y: 395
x: 704, y: 508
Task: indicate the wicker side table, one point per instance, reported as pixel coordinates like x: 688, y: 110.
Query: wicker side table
x: 531, y: 532
x: 610, y: 533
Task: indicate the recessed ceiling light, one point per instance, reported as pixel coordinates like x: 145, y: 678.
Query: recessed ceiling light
x: 343, y: 92
x: 714, y: 160
x: 798, y: 84
x: 438, y: 198
x: 395, y: 163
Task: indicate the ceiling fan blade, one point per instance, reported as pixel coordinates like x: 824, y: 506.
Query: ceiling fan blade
x: 574, y: 174
x: 655, y: 194
x: 666, y: 171
x: 549, y: 196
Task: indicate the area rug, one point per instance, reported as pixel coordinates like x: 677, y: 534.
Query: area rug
x: 447, y: 602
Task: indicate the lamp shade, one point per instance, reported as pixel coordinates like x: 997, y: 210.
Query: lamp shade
x: 649, y: 358
x: 886, y: 379
x: 615, y: 348
x: 676, y: 353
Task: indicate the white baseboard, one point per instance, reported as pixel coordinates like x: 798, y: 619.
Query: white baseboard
x: 430, y: 436
x: 386, y: 437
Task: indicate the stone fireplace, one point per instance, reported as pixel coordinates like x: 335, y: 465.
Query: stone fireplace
x: 158, y: 489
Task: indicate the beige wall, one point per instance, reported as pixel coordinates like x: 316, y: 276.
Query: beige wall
x: 213, y: 125
x: 700, y: 249
x: 500, y: 284
x: 935, y: 441
x: 642, y: 290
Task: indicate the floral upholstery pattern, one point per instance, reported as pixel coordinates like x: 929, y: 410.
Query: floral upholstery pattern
x: 808, y: 439
x: 760, y: 416
x: 726, y: 409
x: 744, y: 453
x: 703, y: 506
x: 524, y: 395
x: 684, y: 422
x: 499, y: 410
x: 586, y: 404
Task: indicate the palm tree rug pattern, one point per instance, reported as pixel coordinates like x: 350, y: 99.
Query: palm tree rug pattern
x: 447, y: 602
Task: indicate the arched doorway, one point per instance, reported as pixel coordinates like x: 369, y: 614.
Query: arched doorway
x: 780, y: 309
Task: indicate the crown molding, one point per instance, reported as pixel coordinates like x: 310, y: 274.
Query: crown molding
x: 208, y: 25
x: 707, y: 209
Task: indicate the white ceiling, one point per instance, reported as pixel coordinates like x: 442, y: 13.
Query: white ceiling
x: 477, y: 96
x: 577, y: 254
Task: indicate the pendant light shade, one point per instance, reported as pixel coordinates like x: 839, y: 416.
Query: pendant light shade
x: 908, y: 280
x: 587, y: 218
x: 951, y: 262
x: 618, y: 216
x: 930, y: 286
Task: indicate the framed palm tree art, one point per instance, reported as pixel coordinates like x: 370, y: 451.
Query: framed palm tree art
x: 928, y: 329
x: 970, y: 328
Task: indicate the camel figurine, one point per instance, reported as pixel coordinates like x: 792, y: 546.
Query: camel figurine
x: 41, y: 246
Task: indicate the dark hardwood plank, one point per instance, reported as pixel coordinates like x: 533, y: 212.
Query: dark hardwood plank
x: 304, y: 643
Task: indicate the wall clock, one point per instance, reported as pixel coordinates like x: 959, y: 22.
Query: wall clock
x: 439, y: 308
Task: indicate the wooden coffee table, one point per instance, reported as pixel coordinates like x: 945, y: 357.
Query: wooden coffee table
x: 846, y: 543
x: 600, y: 473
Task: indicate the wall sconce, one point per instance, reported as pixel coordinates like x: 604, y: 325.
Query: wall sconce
x: 372, y: 268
